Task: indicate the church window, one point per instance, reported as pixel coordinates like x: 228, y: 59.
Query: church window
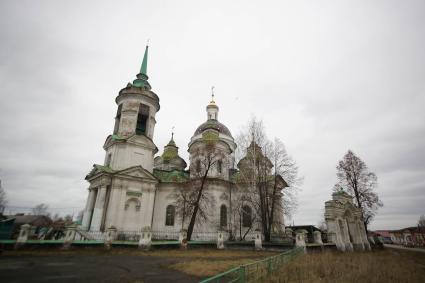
x: 246, y: 216
x: 223, y: 216
x: 169, y: 215
x: 117, y: 119
x: 142, y: 120
x: 219, y: 166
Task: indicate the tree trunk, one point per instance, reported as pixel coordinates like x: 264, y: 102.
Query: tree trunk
x: 196, y: 208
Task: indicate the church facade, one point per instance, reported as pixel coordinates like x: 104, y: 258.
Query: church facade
x: 134, y: 189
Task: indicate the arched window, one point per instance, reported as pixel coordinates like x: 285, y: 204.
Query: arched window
x: 142, y: 120
x: 117, y: 119
x: 219, y: 166
x: 246, y: 216
x: 223, y: 216
x: 169, y: 215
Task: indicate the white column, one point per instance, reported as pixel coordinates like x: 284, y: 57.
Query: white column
x: 363, y: 235
x: 88, y: 210
x: 340, y: 235
x: 113, y: 207
x: 98, y: 209
x: 348, y: 243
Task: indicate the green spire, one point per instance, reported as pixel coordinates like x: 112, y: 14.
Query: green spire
x: 144, y: 67
x: 142, y: 77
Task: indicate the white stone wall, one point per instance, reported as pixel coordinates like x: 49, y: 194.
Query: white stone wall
x: 125, y: 155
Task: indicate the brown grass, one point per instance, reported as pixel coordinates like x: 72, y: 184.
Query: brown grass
x: 206, y: 263
x: 379, y: 266
x: 207, y: 268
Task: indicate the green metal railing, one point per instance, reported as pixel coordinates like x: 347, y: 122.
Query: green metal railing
x: 256, y: 271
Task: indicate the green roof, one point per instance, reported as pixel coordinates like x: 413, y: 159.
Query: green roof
x: 142, y: 77
x: 171, y: 176
x: 144, y: 67
x: 104, y: 168
x: 118, y: 138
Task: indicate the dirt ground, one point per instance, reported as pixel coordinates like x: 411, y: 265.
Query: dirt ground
x: 119, y: 265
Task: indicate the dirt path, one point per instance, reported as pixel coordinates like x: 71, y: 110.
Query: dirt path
x: 404, y: 248
x: 89, y: 268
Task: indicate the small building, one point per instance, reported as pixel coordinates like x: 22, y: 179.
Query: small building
x: 384, y: 236
x: 345, y: 223
x: 36, y: 221
x: 410, y: 236
x: 310, y: 229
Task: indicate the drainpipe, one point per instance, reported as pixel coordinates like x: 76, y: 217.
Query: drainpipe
x: 153, y: 207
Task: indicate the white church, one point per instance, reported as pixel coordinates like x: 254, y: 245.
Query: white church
x: 134, y: 189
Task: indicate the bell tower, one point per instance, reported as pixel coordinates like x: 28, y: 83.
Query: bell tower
x: 132, y: 140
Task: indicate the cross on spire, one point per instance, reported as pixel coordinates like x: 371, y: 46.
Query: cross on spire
x: 212, y: 94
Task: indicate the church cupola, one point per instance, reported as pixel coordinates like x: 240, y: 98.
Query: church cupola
x: 212, y: 108
x: 170, y: 159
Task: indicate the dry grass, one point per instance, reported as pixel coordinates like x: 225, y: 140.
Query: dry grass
x: 207, y: 268
x: 208, y: 262
x: 379, y: 266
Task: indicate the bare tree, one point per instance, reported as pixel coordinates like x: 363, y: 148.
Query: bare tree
x: 353, y: 174
x: 68, y: 219
x: 186, y: 198
x: 242, y: 199
x: 3, y: 199
x: 206, y: 157
x: 269, y: 175
x: 40, y: 209
x: 56, y: 217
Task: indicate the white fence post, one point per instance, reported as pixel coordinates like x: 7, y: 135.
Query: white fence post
x: 23, y: 235
x: 318, y: 237
x: 220, y: 240
x: 300, y: 238
x: 111, y: 235
x: 69, y: 236
x: 183, y: 239
x: 145, y: 240
x: 258, y: 240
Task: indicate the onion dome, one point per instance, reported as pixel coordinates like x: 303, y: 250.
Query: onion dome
x: 212, y: 129
x: 215, y: 125
x: 170, y: 159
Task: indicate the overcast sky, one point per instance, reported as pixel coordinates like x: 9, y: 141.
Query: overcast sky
x: 324, y: 76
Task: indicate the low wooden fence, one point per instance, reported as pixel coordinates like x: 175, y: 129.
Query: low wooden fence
x: 256, y: 271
